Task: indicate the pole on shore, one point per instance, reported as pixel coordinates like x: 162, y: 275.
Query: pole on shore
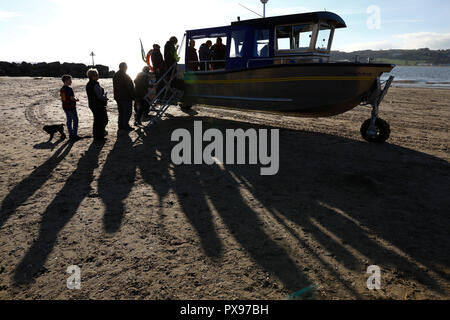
x: 93, y: 55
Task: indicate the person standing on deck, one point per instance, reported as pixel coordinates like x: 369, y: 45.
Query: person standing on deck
x: 218, y: 52
x: 205, y: 55
x: 192, y: 60
x: 124, y: 96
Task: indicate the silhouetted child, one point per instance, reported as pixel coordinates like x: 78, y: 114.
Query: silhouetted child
x: 69, y: 104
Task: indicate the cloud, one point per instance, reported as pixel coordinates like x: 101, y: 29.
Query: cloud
x: 431, y: 40
x: 7, y: 15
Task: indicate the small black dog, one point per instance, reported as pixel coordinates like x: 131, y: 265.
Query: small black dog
x: 51, y: 130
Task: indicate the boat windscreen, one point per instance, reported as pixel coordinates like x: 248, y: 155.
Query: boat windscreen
x: 302, y: 35
x: 284, y: 34
x: 324, y: 38
x: 294, y: 37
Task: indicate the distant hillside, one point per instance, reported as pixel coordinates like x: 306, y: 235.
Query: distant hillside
x: 399, y: 57
x: 54, y: 69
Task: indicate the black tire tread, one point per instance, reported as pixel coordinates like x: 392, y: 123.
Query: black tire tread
x: 383, y: 128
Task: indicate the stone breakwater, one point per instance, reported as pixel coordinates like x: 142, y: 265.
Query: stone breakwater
x: 54, y: 69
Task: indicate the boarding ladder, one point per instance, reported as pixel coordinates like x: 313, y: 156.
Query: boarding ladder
x: 161, y: 100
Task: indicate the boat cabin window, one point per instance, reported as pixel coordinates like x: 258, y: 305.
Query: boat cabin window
x: 262, y: 38
x: 205, y: 45
x: 295, y: 37
x: 324, y: 38
x: 302, y: 36
x: 237, y: 44
x: 284, y: 34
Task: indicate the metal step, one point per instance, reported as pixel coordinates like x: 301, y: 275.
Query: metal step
x: 165, y: 97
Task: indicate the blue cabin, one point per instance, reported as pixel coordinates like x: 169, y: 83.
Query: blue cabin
x: 298, y: 38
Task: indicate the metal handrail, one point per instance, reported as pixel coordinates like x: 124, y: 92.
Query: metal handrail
x: 207, y: 62
x: 172, y: 70
x: 283, y: 58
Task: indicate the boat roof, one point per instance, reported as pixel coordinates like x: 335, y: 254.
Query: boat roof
x: 325, y: 16
x: 208, y: 32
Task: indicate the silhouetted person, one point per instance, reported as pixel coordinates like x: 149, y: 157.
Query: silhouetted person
x: 192, y: 57
x: 142, y: 85
x: 98, y: 101
x: 170, y: 52
x: 218, y: 52
x: 124, y: 95
x: 159, y: 65
x: 69, y: 104
x: 205, y: 55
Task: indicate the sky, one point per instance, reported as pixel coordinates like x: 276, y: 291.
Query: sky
x: 69, y: 30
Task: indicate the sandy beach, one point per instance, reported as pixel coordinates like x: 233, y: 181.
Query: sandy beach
x: 140, y: 227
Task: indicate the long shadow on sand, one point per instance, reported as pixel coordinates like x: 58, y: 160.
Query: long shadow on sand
x: 27, y: 187
x: 57, y: 215
x: 365, y: 204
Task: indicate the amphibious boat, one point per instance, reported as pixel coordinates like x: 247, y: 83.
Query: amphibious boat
x: 282, y: 64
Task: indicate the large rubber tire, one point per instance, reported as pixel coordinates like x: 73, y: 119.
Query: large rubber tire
x: 383, y: 131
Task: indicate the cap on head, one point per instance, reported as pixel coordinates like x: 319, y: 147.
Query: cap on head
x: 156, y: 46
x: 174, y: 40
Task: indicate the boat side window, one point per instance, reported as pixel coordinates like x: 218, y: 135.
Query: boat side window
x: 237, y: 44
x: 284, y: 35
x: 262, y: 43
x: 323, y: 39
x: 302, y: 35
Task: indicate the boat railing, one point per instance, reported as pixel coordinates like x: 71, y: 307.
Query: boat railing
x: 289, y: 59
x: 206, y: 63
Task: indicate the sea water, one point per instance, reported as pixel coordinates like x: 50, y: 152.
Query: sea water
x: 427, y: 77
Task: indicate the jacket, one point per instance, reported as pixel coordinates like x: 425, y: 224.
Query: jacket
x: 67, y: 94
x: 142, y: 82
x: 204, y: 52
x: 96, y: 95
x: 170, y: 54
x: 123, y: 87
x: 193, y: 64
x: 158, y: 62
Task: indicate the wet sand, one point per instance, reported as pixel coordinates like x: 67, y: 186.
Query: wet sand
x: 142, y: 228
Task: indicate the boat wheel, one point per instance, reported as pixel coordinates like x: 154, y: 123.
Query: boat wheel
x: 379, y: 134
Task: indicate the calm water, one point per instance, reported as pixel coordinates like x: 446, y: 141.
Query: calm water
x: 433, y: 77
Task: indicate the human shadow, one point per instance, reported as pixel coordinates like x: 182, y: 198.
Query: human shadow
x: 364, y: 204
x: 361, y: 203
x: 116, y: 181
x: 27, y: 187
x: 155, y: 156
x: 57, y: 215
x: 384, y: 202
